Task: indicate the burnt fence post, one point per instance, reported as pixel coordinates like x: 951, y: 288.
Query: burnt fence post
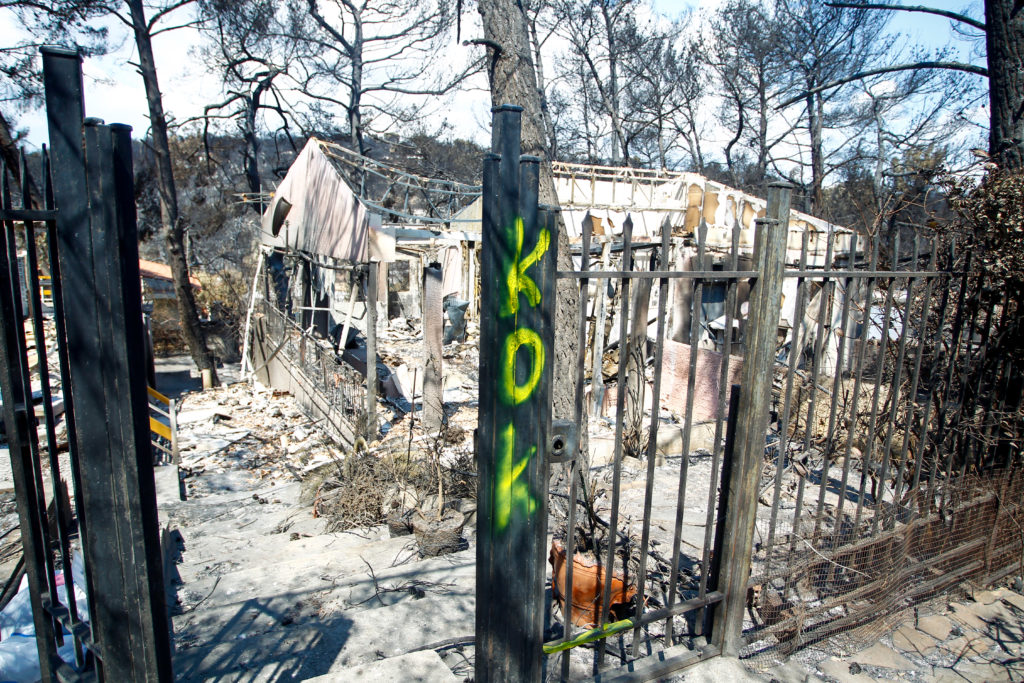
x: 517, y: 276
x: 98, y: 258
x: 432, y: 315
x: 372, y: 428
x: 751, y: 420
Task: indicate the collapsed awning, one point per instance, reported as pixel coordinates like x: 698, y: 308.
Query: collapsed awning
x: 315, y: 211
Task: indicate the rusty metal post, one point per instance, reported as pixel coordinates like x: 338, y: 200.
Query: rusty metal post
x: 751, y: 419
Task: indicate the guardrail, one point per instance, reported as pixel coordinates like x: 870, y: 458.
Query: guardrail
x: 163, y: 435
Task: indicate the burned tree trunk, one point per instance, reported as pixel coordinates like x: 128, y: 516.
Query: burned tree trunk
x: 1004, y: 39
x: 171, y: 227
x: 513, y: 81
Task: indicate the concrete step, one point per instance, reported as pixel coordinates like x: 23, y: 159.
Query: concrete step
x: 416, y: 667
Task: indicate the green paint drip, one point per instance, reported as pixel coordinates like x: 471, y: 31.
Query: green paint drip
x: 590, y: 636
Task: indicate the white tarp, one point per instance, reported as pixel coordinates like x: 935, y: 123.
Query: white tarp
x: 326, y: 218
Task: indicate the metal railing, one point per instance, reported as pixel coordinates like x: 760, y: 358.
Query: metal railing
x: 163, y: 425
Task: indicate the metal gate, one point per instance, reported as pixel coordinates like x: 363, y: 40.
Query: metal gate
x: 823, y: 440
x: 85, y: 238
x: 644, y: 601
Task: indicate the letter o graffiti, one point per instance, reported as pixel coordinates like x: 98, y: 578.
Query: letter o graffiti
x: 511, y: 392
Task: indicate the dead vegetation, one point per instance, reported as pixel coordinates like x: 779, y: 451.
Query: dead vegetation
x: 429, y: 490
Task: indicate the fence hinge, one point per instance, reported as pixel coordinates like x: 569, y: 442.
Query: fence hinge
x: 564, y: 443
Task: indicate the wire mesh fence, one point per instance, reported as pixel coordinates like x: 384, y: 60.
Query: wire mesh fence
x: 890, y: 474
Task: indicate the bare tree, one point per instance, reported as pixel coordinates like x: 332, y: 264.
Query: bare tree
x: 251, y: 50
x: 376, y: 53
x: 823, y: 44
x: 513, y: 80
x: 540, y: 23
x: 655, y: 92
x: 70, y: 20
x: 692, y: 83
x: 748, y: 56
x: 596, y: 30
x: 1004, y: 41
x: 59, y: 22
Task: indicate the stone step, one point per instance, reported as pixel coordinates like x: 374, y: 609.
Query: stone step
x: 424, y: 666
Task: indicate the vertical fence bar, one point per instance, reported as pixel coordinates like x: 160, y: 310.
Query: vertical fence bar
x: 724, y: 397
x: 59, y: 501
x: 894, y: 400
x: 827, y: 288
x: 696, y: 312
x: 840, y: 337
x: 69, y: 242
x: 98, y: 260
x: 652, y: 440
x: 911, y: 395
x: 620, y: 406
x: 60, y: 326
x: 31, y: 438
x: 858, y: 369
x: 514, y: 422
x: 868, y: 470
x: 958, y: 347
x: 572, y: 467
x: 795, y: 348
x: 597, y: 354
x: 136, y: 461
x: 19, y: 418
x: 752, y: 418
x: 489, y: 628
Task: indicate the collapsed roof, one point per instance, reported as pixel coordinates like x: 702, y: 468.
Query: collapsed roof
x: 610, y: 194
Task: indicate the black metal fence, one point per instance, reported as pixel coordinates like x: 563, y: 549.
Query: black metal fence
x: 85, y: 240
x: 656, y: 549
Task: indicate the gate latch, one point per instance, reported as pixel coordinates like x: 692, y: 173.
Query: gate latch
x: 564, y: 441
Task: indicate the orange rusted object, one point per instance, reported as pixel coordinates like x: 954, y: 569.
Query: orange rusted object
x: 587, y: 586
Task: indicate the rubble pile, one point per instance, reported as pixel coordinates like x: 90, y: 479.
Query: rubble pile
x: 243, y: 430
